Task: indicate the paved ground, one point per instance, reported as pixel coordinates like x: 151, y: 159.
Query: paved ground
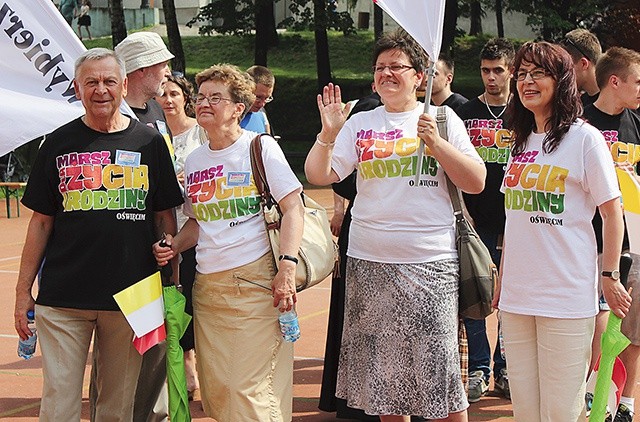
x: 21, y: 381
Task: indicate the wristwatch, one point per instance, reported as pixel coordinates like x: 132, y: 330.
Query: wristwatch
x: 288, y: 258
x: 614, y: 275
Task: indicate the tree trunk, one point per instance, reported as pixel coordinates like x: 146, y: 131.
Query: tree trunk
x: 499, y: 21
x: 173, y: 33
x: 322, y: 43
x: 266, y: 35
x: 450, y: 23
x: 378, y: 23
x: 118, y: 26
x: 476, y: 18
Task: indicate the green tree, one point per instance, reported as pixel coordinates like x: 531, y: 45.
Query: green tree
x: 266, y: 35
x: 118, y: 26
x: 619, y: 25
x: 553, y: 18
x: 173, y: 34
x: 323, y: 63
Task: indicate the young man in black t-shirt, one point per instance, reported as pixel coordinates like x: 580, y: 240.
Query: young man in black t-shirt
x: 618, y: 77
x: 585, y: 50
x: 486, y: 121
x: 441, y: 93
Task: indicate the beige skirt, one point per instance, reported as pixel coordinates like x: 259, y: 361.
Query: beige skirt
x: 244, y: 366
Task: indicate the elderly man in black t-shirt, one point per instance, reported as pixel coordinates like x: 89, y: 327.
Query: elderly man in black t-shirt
x: 102, y: 191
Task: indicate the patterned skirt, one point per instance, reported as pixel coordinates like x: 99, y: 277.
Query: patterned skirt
x: 399, y: 353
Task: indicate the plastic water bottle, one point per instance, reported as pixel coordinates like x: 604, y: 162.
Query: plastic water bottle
x: 26, y: 348
x: 289, y: 326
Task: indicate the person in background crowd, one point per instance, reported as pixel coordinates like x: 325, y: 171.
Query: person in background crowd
x: 178, y: 104
x: 585, y: 50
x: 399, y: 352
x: 486, y: 121
x: 441, y: 93
x: 147, y: 61
x: 618, y: 77
x: 69, y: 9
x: 256, y: 119
x: 84, y: 19
x: 340, y: 225
x: 559, y: 171
x: 245, y: 367
x: 93, y: 251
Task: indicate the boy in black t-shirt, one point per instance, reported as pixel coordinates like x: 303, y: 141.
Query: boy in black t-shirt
x: 618, y: 77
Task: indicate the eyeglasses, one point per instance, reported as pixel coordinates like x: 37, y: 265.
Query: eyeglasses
x: 570, y: 42
x: 177, y: 74
x: 265, y: 99
x: 393, y: 68
x: 212, y: 100
x: 535, y: 74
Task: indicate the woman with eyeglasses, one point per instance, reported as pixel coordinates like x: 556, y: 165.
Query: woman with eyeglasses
x: 399, y: 351
x: 178, y: 103
x: 245, y: 367
x: 559, y: 171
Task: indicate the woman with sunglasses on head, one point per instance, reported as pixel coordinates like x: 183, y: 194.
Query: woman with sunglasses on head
x: 559, y: 171
x: 178, y: 103
x: 399, y: 352
x: 245, y: 367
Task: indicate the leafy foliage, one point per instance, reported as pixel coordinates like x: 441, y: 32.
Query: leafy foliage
x: 553, y: 18
x: 302, y: 18
x: 225, y: 17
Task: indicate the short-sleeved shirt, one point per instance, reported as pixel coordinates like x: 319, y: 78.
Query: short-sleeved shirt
x: 395, y: 221
x: 102, y: 190
x: 490, y: 136
x: 549, y: 257
x: 255, y: 122
x: 222, y: 196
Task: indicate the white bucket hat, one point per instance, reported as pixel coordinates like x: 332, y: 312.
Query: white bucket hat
x: 142, y: 49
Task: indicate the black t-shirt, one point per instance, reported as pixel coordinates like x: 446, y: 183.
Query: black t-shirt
x: 622, y: 133
x: 490, y: 137
x: 587, y: 99
x: 455, y: 100
x: 102, y: 190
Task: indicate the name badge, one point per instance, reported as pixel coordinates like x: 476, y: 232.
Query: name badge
x: 128, y: 158
x: 162, y: 127
x: 238, y: 178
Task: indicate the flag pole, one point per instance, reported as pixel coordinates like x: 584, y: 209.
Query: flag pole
x: 431, y: 71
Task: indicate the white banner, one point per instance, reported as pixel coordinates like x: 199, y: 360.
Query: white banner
x: 422, y: 19
x: 38, y: 50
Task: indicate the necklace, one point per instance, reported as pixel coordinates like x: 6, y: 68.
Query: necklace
x: 484, y: 97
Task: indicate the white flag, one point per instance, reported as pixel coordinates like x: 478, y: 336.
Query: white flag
x: 38, y: 50
x: 422, y: 19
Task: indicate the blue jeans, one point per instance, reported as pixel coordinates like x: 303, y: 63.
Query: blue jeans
x: 479, y: 349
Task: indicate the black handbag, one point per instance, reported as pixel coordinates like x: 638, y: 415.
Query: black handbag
x: 478, y: 272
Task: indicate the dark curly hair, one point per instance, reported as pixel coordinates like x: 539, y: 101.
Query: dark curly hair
x: 187, y: 92
x: 566, y: 105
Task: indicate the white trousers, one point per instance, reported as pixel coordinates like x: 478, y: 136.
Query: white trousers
x: 547, y: 363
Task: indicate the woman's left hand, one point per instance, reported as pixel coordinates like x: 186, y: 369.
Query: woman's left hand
x: 283, y: 286
x: 428, y: 130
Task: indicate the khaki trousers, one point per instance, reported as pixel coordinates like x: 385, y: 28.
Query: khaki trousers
x: 244, y: 366
x: 64, y: 335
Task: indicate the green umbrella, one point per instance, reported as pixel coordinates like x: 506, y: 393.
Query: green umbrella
x: 176, y: 321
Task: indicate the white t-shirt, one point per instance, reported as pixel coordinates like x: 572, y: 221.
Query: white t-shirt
x: 549, y: 258
x: 393, y: 220
x: 183, y: 145
x: 221, y: 195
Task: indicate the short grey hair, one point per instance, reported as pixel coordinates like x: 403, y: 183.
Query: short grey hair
x: 100, y: 53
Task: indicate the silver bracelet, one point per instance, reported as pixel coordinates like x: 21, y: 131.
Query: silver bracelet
x: 324, y: 144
